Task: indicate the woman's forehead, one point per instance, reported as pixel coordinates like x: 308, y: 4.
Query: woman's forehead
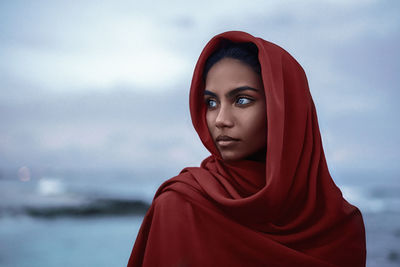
x: 232, y: 74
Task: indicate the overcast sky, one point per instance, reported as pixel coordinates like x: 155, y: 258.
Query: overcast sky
x: 104, y: 84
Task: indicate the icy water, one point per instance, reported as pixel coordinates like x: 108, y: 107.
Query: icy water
x: 93, y: 221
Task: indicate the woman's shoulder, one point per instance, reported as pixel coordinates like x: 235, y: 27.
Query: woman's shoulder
x: 182, y: 184
x: 169, y: 198
x: 181, y: 190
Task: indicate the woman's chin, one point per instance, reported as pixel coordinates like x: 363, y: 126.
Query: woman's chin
x: 231, y: 156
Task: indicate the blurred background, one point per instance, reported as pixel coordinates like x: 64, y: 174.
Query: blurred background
x: 94, y: 113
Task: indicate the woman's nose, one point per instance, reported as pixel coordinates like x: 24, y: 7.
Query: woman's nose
x: 224, y: 117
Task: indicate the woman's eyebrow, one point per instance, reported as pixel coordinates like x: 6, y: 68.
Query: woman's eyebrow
x: 233, y: 92
x: 206, y: 92
x: 240, y: 89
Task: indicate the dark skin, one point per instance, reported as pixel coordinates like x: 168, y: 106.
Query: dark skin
x: 236, y: 110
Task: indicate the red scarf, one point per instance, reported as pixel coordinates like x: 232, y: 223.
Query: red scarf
x: 284, y: 212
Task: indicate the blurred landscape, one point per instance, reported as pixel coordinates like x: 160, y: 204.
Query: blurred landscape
x: 64, y: 219
x: 94, y: 114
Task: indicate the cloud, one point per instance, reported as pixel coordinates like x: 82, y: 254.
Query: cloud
x: 122, y: 128
x: 105, y: 84
x: 94, y: 55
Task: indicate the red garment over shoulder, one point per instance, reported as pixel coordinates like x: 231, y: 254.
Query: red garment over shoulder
x: 286, y: 211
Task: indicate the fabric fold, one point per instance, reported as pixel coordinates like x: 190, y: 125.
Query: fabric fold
x: 286, y: 211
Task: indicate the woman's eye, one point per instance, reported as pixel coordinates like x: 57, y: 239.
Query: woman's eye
x: 243, y: 101
x: 211, y: 103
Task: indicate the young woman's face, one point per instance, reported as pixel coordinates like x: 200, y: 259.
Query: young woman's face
x: 236, y: 114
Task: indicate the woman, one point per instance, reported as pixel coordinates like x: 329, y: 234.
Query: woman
x: 265, y: 196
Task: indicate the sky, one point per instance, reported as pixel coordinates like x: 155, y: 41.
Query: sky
x: 103, y: 85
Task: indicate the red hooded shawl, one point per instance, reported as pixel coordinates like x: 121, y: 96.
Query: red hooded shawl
x: 285, y: 211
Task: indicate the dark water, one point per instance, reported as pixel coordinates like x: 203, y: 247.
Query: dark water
x: 93, y: 221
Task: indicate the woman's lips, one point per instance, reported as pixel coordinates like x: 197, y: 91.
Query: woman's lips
x: 225, y: 141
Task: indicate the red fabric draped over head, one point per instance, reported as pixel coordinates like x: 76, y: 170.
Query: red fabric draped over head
x: 282, y: 212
